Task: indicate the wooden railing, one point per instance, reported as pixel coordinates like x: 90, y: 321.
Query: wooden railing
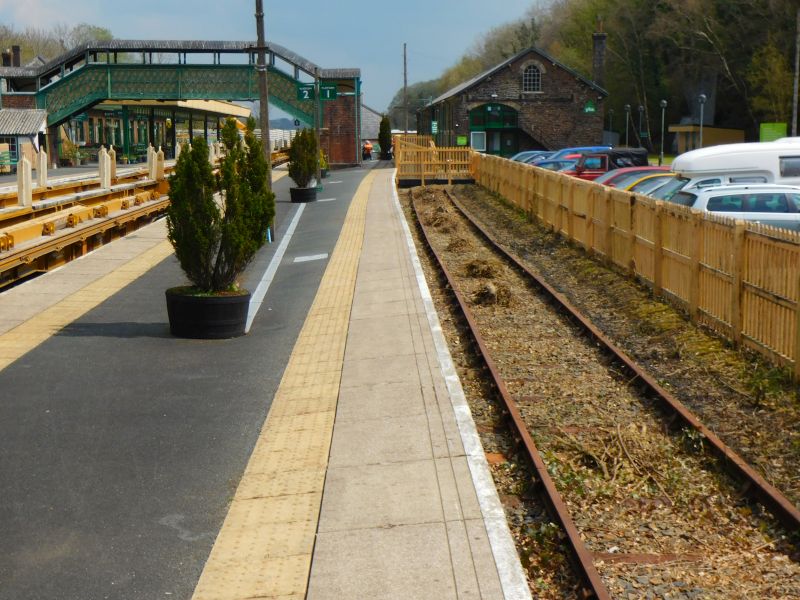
x: 413, y: 138
x: 418, y: 165
x: 741, y: 279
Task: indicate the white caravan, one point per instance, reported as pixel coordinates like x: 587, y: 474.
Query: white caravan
x: 758, y: 162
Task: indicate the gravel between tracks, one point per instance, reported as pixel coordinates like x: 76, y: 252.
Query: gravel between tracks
x: 631, y: 487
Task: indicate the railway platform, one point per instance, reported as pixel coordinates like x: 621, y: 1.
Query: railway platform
x: 328, y: 454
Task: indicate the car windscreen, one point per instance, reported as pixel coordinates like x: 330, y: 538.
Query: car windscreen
x: 648, y: 185
x: 669, y: 189
x: 625, y: 180
x: 683, y: 198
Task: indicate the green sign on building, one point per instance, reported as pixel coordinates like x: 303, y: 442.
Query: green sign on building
x: 590, y: 107
x: 434, y: 127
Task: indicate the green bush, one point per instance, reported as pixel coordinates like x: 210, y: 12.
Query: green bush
x: 215, y: 238
x: 303, y: 157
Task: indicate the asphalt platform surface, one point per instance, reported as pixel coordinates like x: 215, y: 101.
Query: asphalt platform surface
x: 121, y: 446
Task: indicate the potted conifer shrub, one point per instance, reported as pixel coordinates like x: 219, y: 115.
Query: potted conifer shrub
x: 385, y: 138
x: 216, y: 223
x: 323, y: 164
x: 303, y: 166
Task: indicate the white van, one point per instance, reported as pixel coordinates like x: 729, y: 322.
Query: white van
x: 767, y: 203
x: 731, y: 164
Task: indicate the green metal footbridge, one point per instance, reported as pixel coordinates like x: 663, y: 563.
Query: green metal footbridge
x: 166, y: 70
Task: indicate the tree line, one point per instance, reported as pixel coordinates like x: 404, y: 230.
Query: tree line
x: 740, y: 52
x: 49, y: 43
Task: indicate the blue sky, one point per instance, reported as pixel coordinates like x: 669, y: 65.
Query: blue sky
x: 331, y: 33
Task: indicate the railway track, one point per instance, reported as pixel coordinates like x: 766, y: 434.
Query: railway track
x: 73, y: 216
x: 650, y: 500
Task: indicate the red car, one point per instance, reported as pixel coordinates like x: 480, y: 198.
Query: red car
x: 592, y: 165
x: 621, y: 178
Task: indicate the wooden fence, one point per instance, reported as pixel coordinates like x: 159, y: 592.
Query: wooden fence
x: 420, y: 164
x: 741, y: 279
x: 414, y: 139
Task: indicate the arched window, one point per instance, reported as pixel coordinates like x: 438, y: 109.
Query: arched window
x: 531, y: 79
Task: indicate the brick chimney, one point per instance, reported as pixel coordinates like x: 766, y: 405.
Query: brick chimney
x: 16, y: 55
x: 599, y: 55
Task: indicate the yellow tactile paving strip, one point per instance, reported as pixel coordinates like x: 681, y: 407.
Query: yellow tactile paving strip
x: 265, y: 545
x: 28, y: 335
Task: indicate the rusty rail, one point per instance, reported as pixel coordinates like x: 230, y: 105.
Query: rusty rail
x: 755, y: 485
x: 582, y: 557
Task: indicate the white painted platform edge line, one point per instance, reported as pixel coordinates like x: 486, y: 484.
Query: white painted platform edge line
x: 261, y: 290
x: 327, y: 200
x: 512, y: 577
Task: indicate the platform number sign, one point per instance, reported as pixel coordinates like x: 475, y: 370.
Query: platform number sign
x: 305, y: 91
x: 328, y: 91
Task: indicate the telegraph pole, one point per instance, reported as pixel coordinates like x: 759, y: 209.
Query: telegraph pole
x: 405, y: 86
x: 796, y: 69
x: 317, y: 121
x: 263, y: 93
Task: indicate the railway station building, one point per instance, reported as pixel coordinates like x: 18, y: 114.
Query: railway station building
x: 530, y: 101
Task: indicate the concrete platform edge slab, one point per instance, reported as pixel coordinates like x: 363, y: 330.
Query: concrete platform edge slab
x: 512, y: 576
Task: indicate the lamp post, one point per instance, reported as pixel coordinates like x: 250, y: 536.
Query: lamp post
x: 610, y: 119
x: 639, y: 135
x: 627, y: 120
x: 702, y: 99
x: 663, y: 105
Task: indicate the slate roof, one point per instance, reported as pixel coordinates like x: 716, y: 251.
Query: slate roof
x: 19, y: 121
x: 478, y: 78
x: 166, y: 46
x: 370, y: 123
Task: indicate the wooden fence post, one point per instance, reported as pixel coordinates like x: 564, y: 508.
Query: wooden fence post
x: 698, y: 232
x: 609, y: 249
x: 590, y: 208
x: 738, y: 276
x: 570, y: 210
x: 632, y: 233
x: 796, y: 356
x: 658, y: 249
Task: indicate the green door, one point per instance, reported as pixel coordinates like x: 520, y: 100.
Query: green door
x: 500, y: 124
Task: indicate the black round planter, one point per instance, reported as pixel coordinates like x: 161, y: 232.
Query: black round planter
x: 308, y: 194
x: 206, y: 317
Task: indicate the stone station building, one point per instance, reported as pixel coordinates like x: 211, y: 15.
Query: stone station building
x: 529, y: 101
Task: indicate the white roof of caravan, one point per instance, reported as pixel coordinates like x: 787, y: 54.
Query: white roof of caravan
x: 753, y: 156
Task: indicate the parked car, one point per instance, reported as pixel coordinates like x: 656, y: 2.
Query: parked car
x: 555, y: 165
x: 559, y: 154
x: 649, y: 183
x: 770, y: 204
x: 544, y: 155
x: 621, y: 178
x: 527, y: 154
x: 591, y: 165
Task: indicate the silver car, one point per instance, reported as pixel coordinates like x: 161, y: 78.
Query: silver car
x: 770, y: 204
